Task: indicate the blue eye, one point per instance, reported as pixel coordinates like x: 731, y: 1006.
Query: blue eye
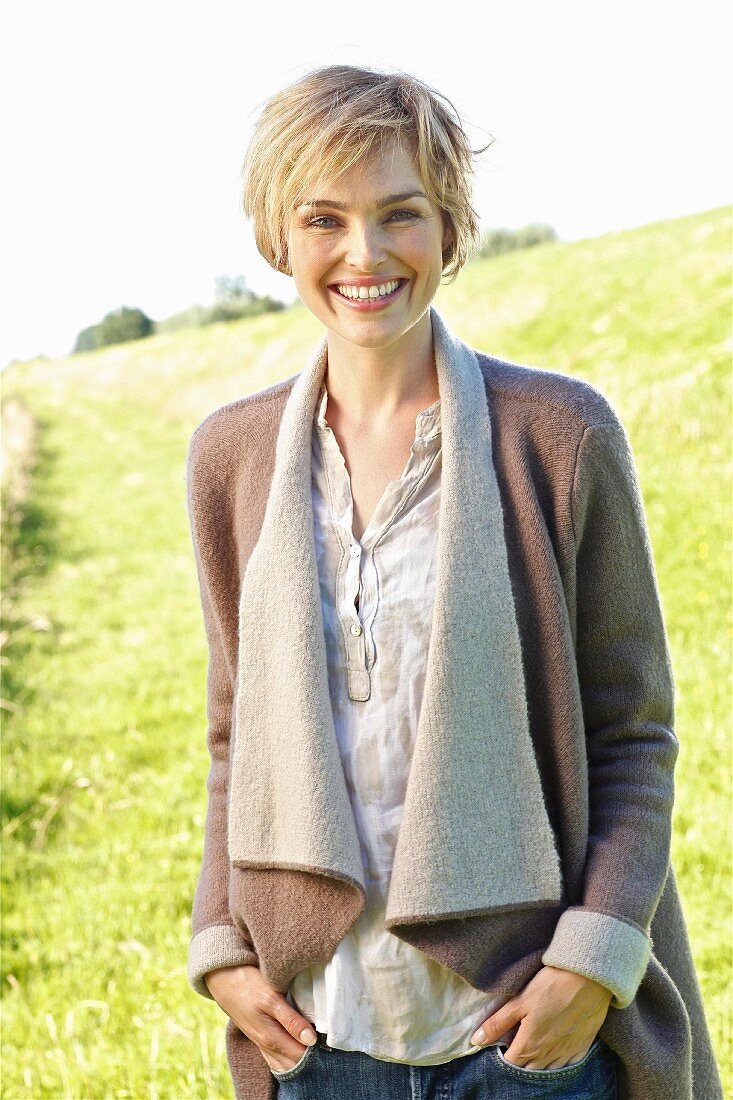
x: 317, y: 222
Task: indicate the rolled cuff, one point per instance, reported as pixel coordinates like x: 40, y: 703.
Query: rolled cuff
x: 601, y: 947
x: 213, y: 947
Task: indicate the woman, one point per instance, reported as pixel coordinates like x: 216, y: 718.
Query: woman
x: 440, y: 696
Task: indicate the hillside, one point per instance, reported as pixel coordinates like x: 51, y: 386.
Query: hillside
x: 104, y: 759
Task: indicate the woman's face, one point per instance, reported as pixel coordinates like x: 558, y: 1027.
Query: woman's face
x: 360, y: 233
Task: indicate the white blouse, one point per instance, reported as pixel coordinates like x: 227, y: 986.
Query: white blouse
x: 378, y: 994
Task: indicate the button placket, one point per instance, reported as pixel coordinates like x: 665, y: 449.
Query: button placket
x: 347, y: 573
x: 356, y: 573
x: 368, y: 605
x: 359, y: 681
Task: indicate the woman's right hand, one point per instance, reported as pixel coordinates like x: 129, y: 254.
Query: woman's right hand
x: 262, y: 1013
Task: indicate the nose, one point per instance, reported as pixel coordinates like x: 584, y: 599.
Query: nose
x: 365, y: 247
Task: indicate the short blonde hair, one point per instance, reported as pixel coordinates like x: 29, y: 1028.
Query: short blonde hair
x: 334, y: 117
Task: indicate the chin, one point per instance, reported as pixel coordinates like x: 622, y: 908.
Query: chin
x: 376, y: 334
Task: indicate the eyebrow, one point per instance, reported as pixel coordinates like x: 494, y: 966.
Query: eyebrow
x: 387, y: 201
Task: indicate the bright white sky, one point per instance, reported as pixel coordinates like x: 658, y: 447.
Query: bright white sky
x: 125, y: 126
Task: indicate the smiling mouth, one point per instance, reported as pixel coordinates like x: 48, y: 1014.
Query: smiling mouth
x: 374, y: 300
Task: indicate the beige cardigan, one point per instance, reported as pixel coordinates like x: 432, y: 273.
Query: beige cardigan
x: 537, y: 817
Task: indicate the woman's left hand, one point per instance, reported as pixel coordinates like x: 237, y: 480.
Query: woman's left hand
x: 559, y: 1015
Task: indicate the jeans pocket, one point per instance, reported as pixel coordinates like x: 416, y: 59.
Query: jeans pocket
x: 564, y: 1071
x: 297, y: 1069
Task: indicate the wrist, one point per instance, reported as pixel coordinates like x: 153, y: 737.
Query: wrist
x: 581, y: 979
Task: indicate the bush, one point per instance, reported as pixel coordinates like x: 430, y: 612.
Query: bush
x: 233, y: 301
x: 233, y: 309
x: 220, y: 311
x: 116, y: 327
x: 496, y: 241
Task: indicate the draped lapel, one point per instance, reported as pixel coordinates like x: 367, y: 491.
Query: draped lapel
x: 475, y: 834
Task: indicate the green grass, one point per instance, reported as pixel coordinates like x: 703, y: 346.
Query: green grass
x: 104, y: 760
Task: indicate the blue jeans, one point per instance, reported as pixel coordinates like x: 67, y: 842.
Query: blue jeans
x: 326, y: 1073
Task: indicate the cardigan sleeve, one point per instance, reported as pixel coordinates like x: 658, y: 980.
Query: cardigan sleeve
x: 627, y: 692
x: 216, y: 941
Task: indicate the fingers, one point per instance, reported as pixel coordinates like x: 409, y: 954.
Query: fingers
x: 278, y: 1047
x: 544, y: 1060
x: 262, y: 1013
x: 294, y: 1023
x: 282, y: 1033
x: 495, y: 1026
x: 279, y: 1008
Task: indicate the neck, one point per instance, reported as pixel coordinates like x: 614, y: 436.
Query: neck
x: 371, y: 387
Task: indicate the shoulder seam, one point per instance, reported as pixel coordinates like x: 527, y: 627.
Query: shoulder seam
x: 522, y: 398
x: 573, y: 484
x: 616, y: 425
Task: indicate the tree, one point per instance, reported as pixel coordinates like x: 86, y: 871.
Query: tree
x: 116, y: 327
x: 232, y: 288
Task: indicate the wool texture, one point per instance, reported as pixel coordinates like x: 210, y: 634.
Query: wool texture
x: 550, y: 658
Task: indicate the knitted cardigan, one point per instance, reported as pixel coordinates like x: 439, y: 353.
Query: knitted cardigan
x: 537, y: 818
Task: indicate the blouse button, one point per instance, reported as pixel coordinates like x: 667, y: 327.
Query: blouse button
x: 356, y: 629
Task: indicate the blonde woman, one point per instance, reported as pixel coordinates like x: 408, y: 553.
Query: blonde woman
x: 440, y: 697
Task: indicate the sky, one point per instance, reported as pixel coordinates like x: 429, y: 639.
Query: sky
x: 125, y: 126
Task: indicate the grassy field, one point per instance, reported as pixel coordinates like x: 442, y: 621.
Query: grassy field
x: 104, y: 760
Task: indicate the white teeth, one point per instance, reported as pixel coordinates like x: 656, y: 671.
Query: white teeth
x: 379, y: 291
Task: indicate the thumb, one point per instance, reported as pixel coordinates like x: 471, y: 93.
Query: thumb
x: 294, y: 1022
x: 500, y: 1021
